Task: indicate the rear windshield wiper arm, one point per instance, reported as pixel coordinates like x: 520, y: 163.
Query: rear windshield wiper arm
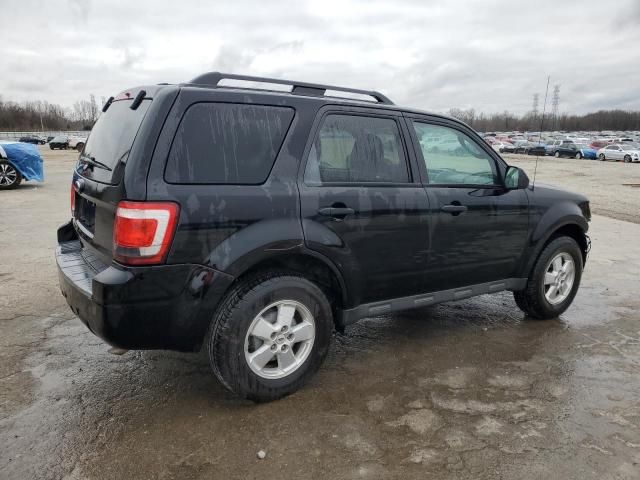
x: 92, y: 161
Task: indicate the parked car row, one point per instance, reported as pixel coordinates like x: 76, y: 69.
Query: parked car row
x: 622, y: 146
x: 60, y: 142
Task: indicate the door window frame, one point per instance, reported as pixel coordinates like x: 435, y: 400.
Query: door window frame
x: 500, y: 164
x: 413, y: 169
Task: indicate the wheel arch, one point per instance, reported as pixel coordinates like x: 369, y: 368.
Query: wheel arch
x: 575, y: 228
x: 306, y: 263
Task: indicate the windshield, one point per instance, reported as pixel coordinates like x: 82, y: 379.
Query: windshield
x: 111, y: 139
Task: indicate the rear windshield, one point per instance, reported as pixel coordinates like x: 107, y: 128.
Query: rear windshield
x: 226, y: 143
x: 111, y: 139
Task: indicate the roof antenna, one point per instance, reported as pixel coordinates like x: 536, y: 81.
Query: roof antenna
x: 544, y: 109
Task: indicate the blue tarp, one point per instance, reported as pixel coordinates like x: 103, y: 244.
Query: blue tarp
x: 26, y: 158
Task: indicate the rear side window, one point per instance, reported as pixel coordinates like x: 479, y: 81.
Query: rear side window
x: 357, y: 149
x: 226, y: 143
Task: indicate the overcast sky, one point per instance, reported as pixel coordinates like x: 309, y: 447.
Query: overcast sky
x: 492, y: 55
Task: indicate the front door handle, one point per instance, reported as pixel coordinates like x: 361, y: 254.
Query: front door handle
x: 454, y: 209
x: 336, y: 212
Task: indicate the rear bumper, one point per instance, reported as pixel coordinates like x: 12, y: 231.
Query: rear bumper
x: 159, y: 307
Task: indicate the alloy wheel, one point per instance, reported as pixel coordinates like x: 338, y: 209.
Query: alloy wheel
x: 559, y: 277
x: 280, y: 339
x: 8, y: 175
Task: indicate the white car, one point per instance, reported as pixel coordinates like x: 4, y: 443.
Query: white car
x: 77, y: 143
x: 620, y: 151
x: 503, y: 147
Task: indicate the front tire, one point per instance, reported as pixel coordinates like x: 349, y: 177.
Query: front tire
x: 602, y: 157
x: 578, y: 156
x: 270, y: 335
x: 10, y: 177
x: 554, y: 280
x: 557, y: 154
x: 627, y: 159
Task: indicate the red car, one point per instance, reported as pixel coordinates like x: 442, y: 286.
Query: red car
x: 598, y: 144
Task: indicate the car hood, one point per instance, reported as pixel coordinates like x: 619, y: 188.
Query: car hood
x: 555, y: 192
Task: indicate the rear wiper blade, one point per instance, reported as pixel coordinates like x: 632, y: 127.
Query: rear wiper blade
x: 92, y: 161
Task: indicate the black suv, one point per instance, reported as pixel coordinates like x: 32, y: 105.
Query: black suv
x: 254, y: 222
x: 60, y: 142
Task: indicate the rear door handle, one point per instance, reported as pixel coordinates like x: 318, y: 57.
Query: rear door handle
x: 454, y: 209
x: 336, y: 211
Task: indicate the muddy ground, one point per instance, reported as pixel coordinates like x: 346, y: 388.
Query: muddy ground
x: 462, y: 390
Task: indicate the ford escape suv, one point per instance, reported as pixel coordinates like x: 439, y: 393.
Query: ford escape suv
x: 254, y: 216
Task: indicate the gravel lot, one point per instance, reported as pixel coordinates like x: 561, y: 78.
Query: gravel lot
x: 607, y: 184
x: 464, y: 390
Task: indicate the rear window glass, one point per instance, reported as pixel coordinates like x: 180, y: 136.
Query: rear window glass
x: 112, y: 137
x: 225, y: 143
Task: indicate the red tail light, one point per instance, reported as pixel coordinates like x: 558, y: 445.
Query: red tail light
x: 143, y: 231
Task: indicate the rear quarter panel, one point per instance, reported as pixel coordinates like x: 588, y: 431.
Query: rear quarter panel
x: 231, y: 227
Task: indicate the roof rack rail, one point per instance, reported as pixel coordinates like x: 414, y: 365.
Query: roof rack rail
x: 298, y: 88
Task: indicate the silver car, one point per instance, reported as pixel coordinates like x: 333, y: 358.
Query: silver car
x: 619, y: 151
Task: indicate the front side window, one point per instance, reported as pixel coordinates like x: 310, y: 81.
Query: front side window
x: 226, y: 143
x: 453, y: 158
x: 357, y: 149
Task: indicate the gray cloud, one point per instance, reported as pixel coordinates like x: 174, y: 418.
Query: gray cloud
x: 491, y: 55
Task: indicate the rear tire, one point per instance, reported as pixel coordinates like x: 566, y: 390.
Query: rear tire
x: 578, y: 156
x: 537, y: 300
x: 557, y: 154
x: 10, y: 177
x: 79, y: 147
x: 254, y: 305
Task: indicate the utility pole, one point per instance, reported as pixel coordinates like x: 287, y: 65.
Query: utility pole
x: 555, y: 104
x: 534, y: 110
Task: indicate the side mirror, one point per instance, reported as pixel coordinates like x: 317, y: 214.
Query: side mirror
x: 516, y: 179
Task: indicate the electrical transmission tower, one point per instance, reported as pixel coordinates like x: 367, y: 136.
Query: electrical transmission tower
x: 555, y: 103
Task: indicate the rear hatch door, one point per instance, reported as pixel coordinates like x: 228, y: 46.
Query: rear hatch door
x: 97, y: 182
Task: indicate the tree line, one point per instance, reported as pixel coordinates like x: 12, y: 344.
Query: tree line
x: 506, y: 121
x: 42, y: 115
